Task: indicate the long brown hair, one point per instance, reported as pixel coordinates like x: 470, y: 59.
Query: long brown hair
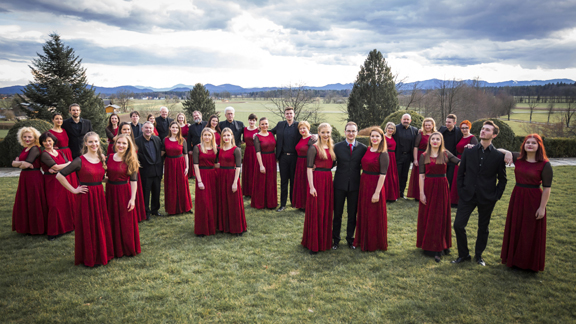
x: 179, y: 137
x: 441, y: 159
x: 110, y: 122
x: 99, y: 152
x: 130, y: 157
x: 540, y: 153
x: 232, y: 141
x: 382, y: 147
x: 131, y: 133
x: 329, y: 143
x: 148, y: 119
x: 209, y: 124
x: 213, y: 145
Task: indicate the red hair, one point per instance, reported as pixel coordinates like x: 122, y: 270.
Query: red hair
x: 467, y: 122
x: 540, y: 153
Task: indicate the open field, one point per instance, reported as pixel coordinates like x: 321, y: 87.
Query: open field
x: 3, y: 132
x: 267, y: 276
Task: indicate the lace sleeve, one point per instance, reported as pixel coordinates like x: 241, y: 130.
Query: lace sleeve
x: 184, y: 148
x: 196, y: 155
x: 312, y: 141
x: 238, y: 156
x: 547, y: 175
x: 109, y: 134
x: 134, y: 176
x: 452, y: 158
x: 33, y: 154
x: 75, y: 166
x: 257, y: 144
x: 47, y: 159
x: 417, y: 140
x: 311, y: 156
x: 473, y: 140
x: 384, y: 161
x: 421, y: 166
x: 515, y: 156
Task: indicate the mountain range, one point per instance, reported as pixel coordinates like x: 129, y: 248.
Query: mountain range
x: 426, y: 84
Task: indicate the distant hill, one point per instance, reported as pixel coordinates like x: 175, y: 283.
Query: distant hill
x: 426, y: 84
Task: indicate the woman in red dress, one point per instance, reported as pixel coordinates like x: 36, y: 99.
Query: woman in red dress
x: 121, y: 188
x: 93, y: 234
x: 265, y: 193
x: 372, y: 219
x: 184, y: 126
x: 391, y: 186
x: 125, y: 128
x: 30, y: 212
x: 111, y: 132
x: 524, y: 244
x: 249, y: 162
x: 320, y: 201
x: 61, y: 203
x: 433, y: 232
x: 214, y: 125
x: 300, y: 191
x: 467, y: 138
x: 177, y: 198
x: 420, y: 144
x: 231, y: 217
x: 151, y: 118
x: 204, y: 158
x: 62, y: 137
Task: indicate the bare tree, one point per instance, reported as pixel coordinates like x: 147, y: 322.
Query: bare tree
x: 532, y: 103
x: 171, y: 102
x: 124, y: 99
x: 447, y: 92
x: 508, y: 103
x: 550, y: 109
x: 297, y: 97
x: 410, y: 96
x: 570, y: 106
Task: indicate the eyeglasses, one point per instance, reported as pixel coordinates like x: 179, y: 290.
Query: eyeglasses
x: 351, y: 131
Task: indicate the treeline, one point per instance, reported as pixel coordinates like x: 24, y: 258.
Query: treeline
x: 552, y: 92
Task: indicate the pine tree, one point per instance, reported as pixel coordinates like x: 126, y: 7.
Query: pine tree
x: 199, y: 99
x: 373, y: 95
x: 59, y: 81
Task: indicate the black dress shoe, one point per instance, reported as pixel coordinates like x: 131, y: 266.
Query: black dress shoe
x: 462, y: 259
x: 480, y: 261
x: 52, y: 237
x: 147, y: 217
x: 446, y: 252
x: 438, y: 257
x: 302, y: 210
x: 158, y: 214
x: 281, y: 208
x: 313, y: 252
x: 335, y: 246
x: 351, y: 245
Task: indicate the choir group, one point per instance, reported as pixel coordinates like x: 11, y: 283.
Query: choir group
x: 61, y: 185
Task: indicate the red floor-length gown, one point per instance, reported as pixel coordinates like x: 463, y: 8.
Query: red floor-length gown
x: 62, y: 145
x: 320, y: 209
x: 300, y: 177
x: 460, y: 149
x: 177, y: 198
x: 524, y: 244
x: 124, y: 223
x: 206, y: 206
x: 414, y: 185
x: 30, y: 211
x: 265, y: 192
x: 372, y: 219
x: 231, y: 217
x: 433, y: 231
x: 61, y: 202
x: 391, y: 181
x: 140, y: 207
x: 113, y: 133
x: 93, y: 234
x: 185, y: 129
x: 248, y: 162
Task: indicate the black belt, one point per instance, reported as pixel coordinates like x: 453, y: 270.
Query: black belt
x: 393, y: 151
x: 117, y: 182
x: 302, y: 156
x: 90, y: 183
x: 371, y: 173
x: 322, y: 169
x: 522, y: 185
x: 63, y: 147
x: 38, y: 169
x: 174, y: 156
x: 436, y: 175
x: 228, y: 168
x: 271, y: 152
x: 420, y: 150
x: 206, y: 167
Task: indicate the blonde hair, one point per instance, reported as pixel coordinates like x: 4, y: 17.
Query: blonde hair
x: 428, y: 119
x: 330, y: 143
x: 390, y: 124
x: 212, y: 142
x: 441, y: 159
x: 232, y: 141
x: 304, y: 123
x: 30, y: 130
x: 99, y: 152
x: 182, y: 115
x: 130, y: 157
x: 382, y: 147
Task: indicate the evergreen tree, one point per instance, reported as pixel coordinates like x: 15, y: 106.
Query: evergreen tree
x: 199, y: 99
x: 373, y: 95
x: 59, y: 81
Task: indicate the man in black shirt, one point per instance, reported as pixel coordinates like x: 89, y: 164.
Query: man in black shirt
x: 150, y: 158
x: 452, y: 135
x: 195, y: 130
x: 163, y: 123
x: 76, y: 128
x: 405, y: 136
x: 237, y: 127
x: 135, y: 124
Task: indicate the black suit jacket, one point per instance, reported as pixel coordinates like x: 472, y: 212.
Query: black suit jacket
x: 148, y: 167
x: 193, y: 136
x: 163, y: 132
x: 237, y: 128
x: 347, y: 176
x: 278, y: 130
x: 405, y: 147
x: 136, y: 130
x: 458, y: 134
x: 76, y: 140
x: 481, y: 180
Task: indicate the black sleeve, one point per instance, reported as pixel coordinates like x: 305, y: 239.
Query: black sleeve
x: 474, y: 140
x: 312, y: 141
x: 47, y: 159
x: 547, y: 175
x: 134, y: 176
x: 384, y: 161
x: 418, y: 139
x: 89, y: 125
x: 515, y: 156
x: 162, y: 148
x: 189, y: 137
x: 109, y: 133
x: 274, y: 130
x: 421, y: 166
x: 452, y: 158
x: 217, y: 160
x: 311, y: 156
x: 33, y: 154
x: 257, y: 145
x: 75, y: 166
x: 184, y: 147
x: 195, y: 155
x: 238, y: 156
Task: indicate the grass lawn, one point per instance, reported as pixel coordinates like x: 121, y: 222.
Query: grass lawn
x: 267, y: 276
x: 3, y: 132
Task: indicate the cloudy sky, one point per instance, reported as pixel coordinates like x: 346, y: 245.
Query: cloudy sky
x: 272, y: 43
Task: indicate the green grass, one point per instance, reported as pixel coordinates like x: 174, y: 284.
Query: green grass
x: 3, y: 132
x: 267, y: 276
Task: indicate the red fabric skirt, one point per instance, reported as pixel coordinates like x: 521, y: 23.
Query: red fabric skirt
x: 124, y: 223
x: 454, y: 188
x: 68, y: 153
x: 177, y: 198
x: 191, y: 170
x: 372, y: 221
x: 206, y: 206
x: 140, y: 207
x: 30, y: 211
x: 524, y: 244
x: 319, y: 213
x: 250, y: 162
x: 299, y: 192
x: 61, y: 206
x: 434, y: 220
x: 391, y: 182
x: 413, y: 183
x: 265, y: 191
x: 231, y: 217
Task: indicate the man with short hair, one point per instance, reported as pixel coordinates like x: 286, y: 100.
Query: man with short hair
x: 135, y: 124
x: 76, y: 127
x: 479, y: 169
x: 150, y: 158
x: 195, y: 130
x: 349, y: 154
x: 405, y: 137
x: 237, y: 127
x: 452, y: 135
x: 163, y: 123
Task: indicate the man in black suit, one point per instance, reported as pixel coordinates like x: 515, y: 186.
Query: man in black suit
x: 76, y: 128
x: 404, y: 136
x: 237, y: 127
x: 349, y: 154
x: 163, y: 123
x: 479, y: 168
x: 195, y: 130
x: 149, y: 155
x: 135, y: 124
x: 452, y: 135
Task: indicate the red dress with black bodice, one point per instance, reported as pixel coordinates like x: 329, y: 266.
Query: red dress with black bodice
x: 62, y: 144
x: 248, y: 162
x: 61, y: 202
x: 460, y: 149
x: 114, y: 132
x: 231, y: 216
x: 177, y: 198
x: 391, y: 181
x: 206, y: 206
x: 300, y: 192
x: 414, y: 185
x: 265, y: 191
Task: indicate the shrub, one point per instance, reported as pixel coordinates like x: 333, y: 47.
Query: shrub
x: 506, y: 137
x: 364, y: 140
x: 559, y: 147
x: 336, y: 137
x: 10, y: 147
x: 397, y: 117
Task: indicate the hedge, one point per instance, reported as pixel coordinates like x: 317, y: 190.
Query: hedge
x: 505, y: 138
x: 10, y: 147
x: 396, y: 118
x: 556, y: 147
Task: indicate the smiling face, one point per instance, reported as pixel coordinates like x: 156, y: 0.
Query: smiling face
x: 121, y: 144
x: 390, y: 130
x: 325, y: 134
x: 465, y: 130
x: 289, y: 115
x: 436, y: 141
x: 148, y: 130
x: 174, y: 129
x: 196, y: 116
x: 252, y: 123
x: 214, y: 122
x: 531, y: 145
x: 449, y: 123
x: 264, y: 125
x: 126, y: 129
x: 57, y: 120
x: 75, y: 111
x: 229, y: 116
x: 207, y: 137
x: 428, y: 127
x: 180, y: 118
x: 152, y: 119
x: 351, y: 132
x: 164, y: 112
x: 28, y: 138
x: 48, y: 144
x: 93, y: 143
x: 375, y: 138
x: 226, y: 137
x: 304, y: 131
x: 406, y: 120
x: 114, y: 120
